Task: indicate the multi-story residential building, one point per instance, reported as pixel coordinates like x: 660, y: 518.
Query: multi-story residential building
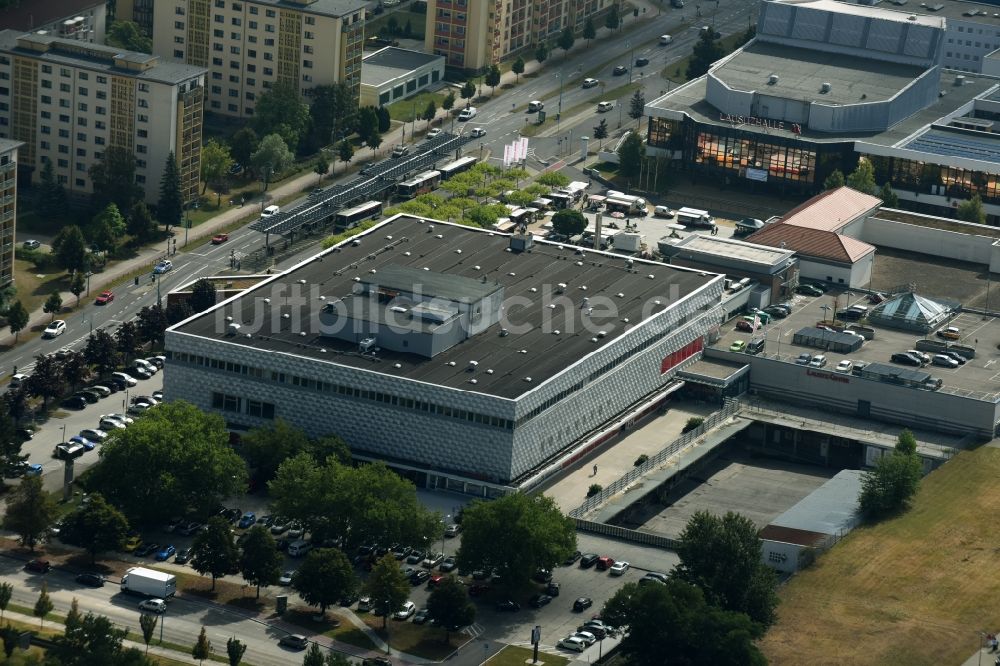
x: 71, y: 19
x: 473, y: 34
x: 138, y: 11
x: 249, y: 45
x: 8, y: 202
x: 68, y: 101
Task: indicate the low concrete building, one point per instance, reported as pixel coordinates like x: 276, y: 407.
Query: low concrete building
x: 817, y: 522
x: 391, y: 74
x: 82, y: 20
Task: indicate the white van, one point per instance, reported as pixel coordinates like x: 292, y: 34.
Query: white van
x: 270, y: 211
x: 535, y: 105
x: 468, y: 113
x: 665, y: 39
x: 145, y: 365
x: 299, y: 548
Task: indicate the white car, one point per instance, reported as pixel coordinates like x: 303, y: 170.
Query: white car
x: 468, y: 113
x: 286, y: 578
x: 618, y: 568
x: 120, y: 417
x: 587, y: 637
x: 93, y: 434
x: 603, y: 107
x: 590, y: 83
x: 139, y: 408
x: 434, y: 132
x: 163, y: 267
x: 111, y: 424
x: 145, y: 365
x: 158, y: 606
x: 844, y: 366
x: 128, y: 379
x: 574, y: 643
x: 478, y: 131
x: 665, y: 39
x: 58, y: 327
x: 535, y: 105
x: 407, y: 611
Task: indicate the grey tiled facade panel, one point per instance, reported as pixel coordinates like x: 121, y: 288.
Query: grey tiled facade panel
x: 428, y: 440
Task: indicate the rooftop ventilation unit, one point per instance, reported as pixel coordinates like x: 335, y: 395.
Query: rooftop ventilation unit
x: 473, y: 365
x: 232, y: 329
x: 367, y: 345
x: 772, y: 80
x: 825, y: 87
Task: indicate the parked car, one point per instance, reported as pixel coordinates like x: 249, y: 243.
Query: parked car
x: 808, y: 290
x: 588, y: 560
x: 295, y: 641
x: 90, y: 579
x: 955, y: 355
x: 56, y: 328
x: 508, y: 606
x: 165, y: 553
x: 74, y: 402
x: 406, y: 612
x: 744, y: 326
x: 587, y: 637
x: 128, y: 380
x: 582, y: 604
x: 432, y: 560
x: 400, y: 151
x: 944, y: 361
x: 468, y: 113
x: 776, y: 312
x: 573, y: 643
x: 364, y: 604
x: 31, y: 245
x: 572, y: 558
x: 286, y: 577
x: 603, y: 107
x: 82, y: 441
x: 449, y: 564
x: 218, y: 239
x: 905, y: 359
x: 844, y: 366
x: 419, y: 576
x: 184, y: 556
x: 158, y: 606
x: 619, y: 568
x: 605, y: 562
x: 950, y: 333
x: 247, y: 520
x: 818, y: 361
x: 539, y: 600
x: 738, y: 346
x: 421, y: 616
x: 104, y: 298
x: 38, y: 566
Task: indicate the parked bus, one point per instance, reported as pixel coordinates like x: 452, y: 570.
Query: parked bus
x: 456, y: 167
x: 349, y: 217
x: 422, y: 183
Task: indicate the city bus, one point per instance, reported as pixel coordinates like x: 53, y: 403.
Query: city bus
x: 349, y: 217
x: 456, y: 167
x: 422, y: 183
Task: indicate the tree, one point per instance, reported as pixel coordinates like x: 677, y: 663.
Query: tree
x: 51, y: 201
x: 74, y: 368
x: 888, y: 196
x: 387, y: 587
x: 151, y: 324
x: 888, y: 488
x: 53, y: 305
x: 553, y: 179
x: 321, y: 166
x: 77, y: 285
x: 706, y: 51
x: 213, y: 552
x: 373, y: 141
x: 673, y: 624
x: 128, y: 35
x: 216, y: 161
x: 345, y: 151
x: 95, y: 527
x: 613, y: 19
x: 260, y: 562
x: 325, y: 577
x: 178, y: 311
x: 721, y: 556
x: 569, y: 222
x: 631, y: 154
x: 203, y: 295
x: 94, y: 641
x: 170, y: 205
x: 6, y: 592
x: 147, y: 624
x: 47, y: 380
x: 589, y: 31
x: 384, y: 119
x: 541, y: 52
x: 516, y: 535
x: 127, y: 337
x: 101, y: 351
x: 11, y: 639
x: 313, y: 656
x: 367, y: 122
x: 17, y: 318
x: 448, y: 103
x: 243, y: 145
x: 334, y: 112
x: 44, y: 605
x: 566, y: 39
x: 834, y: 180
x: 448, y: 605
x: 972, y: 210
x: 518, y: 68
x: 267, y: 447
x: 70, y: 248
x: 11, y: 459
x: 429, y: 112
x: 271, y: 157
x: 202, y: 649
x: 146, y: 474
x: 637, y: 105
x: 140, y: 222
x: 114, y: 179
x: 468, y: 90
x: 862, y: 178
x: 492, y: 79
x: 235, y: 650
x: 106, y: 229
x: 601, y: 132
x: 30, y: 511
x: 73, y: 617
x: 280, y: 110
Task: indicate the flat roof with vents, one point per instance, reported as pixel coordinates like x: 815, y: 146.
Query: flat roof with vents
x: 460, y: 259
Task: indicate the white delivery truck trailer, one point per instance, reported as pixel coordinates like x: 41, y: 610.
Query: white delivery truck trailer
x: 150, y: 583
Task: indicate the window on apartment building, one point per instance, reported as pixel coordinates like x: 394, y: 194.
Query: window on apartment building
x: 142, y: 133
x: 80, y: 166
x: 99, y: 140
x: 268, y: 27
x: 82, y: 122
x: 46, y: 69
x: 62, y: 179
x: 140, y: 148
x: 46, y: 99
x: 310, y: 20
x: 102, y: 79
x: 233, y: 108
x: 253, y: 10
x: 99, y: 124
x: 141, y: 164
x: 101, y: 94
x: 217, y: 47
x: 46, y: 83
x: 268, y: 55
x: 179, y: 11
x: 81, y: 152
x: 81, y: 107
x: 178, y: 39
x: 216, y: 90
x: 307, y: 48
x: 64, y: 104
x: 63, y: 118
x: 141, y: 103
x: 307, y: 64
x: 268, y: 72
x: 64, y: 87
x: 253, y: 25
x: 252, y: 39
x: 269, y: 13
x: 307, y: 78
x: 235, y: 35
x: 139, y: 178
x: 234, y: 64
x: 251, y: 82
x: 143, y: 118
x: 45, y: 145
x: 80, y: 136
x: 248, y: 111
x: 216, y: 76
x: 219, y: 18
x: 237, y: 22
x: 221, y: 34
x: 217, y: 62
x: 233, y: 78
x: 251, y: 53
x: 80, y: 182
x: 178, y: 54
x: 220, y: 4
x: 4, y: 76
x: 45, y: 129
x: 234, y: 50
x: 63, y: 148
x: 82, y: 92
x: 4, y: 60
x: 309, y: 35
x: 233, y: 92
x: 251, y: 68
x: 46, y: 115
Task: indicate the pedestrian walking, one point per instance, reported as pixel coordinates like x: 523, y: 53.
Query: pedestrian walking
x: 595, y: 470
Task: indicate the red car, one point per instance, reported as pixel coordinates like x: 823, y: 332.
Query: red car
x: 742, y: 325
x: 219, y: 238
x: 105, y: 298
x: 604, y: 563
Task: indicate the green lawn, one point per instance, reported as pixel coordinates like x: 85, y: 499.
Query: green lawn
x: 912, y: 590
x: 34, y: 287
x: 421, y: 640
x: 417, y: 23
x: 518, y: 656
x: 405, y: 109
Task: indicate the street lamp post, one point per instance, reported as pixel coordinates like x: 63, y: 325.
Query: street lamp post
x: 187, y: 219
x: 63, y: 433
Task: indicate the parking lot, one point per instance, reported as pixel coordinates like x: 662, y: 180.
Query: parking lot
x: 979, y: 376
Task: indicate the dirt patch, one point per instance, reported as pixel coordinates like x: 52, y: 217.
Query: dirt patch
x: 933, y: 276
x: 913, y: 590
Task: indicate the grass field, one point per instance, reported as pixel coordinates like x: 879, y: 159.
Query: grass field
x: 422, y: 640
x: 417, y: 23
x: 404, y: 109
x: 518, y: 656
x: 913, y: 590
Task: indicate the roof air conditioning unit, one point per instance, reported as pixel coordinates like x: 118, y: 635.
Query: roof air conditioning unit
x: 232, y: 329
x: 366, y: 345
x: 825, y: 87
x: 772, y: 80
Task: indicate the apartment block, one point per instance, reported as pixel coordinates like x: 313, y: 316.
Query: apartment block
x: 249, y: 45
x: 68, y: 101
x: 473, y: 34
x: 8, y: 202
x: 71, y: 19
x: 137, y: 11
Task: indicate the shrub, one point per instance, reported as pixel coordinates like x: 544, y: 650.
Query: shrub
x: 692, y: 424
x: 594, y: 489
x: 641, y: 460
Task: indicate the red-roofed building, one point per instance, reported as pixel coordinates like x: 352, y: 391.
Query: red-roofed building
x: 70, y: 19
x: 816, y: 232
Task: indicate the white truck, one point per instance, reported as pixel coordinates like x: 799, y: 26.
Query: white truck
x: 150, y: 583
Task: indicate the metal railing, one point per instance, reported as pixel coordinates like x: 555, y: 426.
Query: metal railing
x: 626, y: 534
x: 731, y: 407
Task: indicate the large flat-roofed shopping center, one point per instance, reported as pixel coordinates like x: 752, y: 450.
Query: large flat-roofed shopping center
x: 449, y: 352
x: 826, y: 82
